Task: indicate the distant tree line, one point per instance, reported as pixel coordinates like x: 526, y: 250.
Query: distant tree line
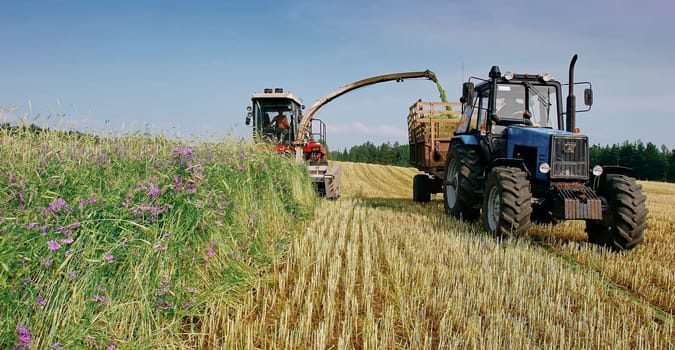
x: 386, y: 154
x: 37, y: 130
x: 648, y: 162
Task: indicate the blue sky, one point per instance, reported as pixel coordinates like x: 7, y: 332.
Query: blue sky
x: 189, y: 68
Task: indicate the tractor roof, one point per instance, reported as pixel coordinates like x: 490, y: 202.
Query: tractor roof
x: 277, y: 95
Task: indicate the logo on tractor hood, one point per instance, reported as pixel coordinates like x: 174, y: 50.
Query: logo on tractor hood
x: 569, y: 147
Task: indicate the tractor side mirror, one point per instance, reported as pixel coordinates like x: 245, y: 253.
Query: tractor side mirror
x: 588, y: 97
x: 467, y: 92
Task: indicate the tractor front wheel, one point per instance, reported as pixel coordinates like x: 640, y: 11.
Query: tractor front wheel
x: 625, y: 216
x: 507, y: 203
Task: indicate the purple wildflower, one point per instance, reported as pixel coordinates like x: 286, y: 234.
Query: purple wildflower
x: 210, y: 253
x: 22, y: 201
x: 153, y: 190
x: 48, y: 262
x: 53, y: 245
x: 109, y: 258
x: 23, y: 336
x: 32, y: 225
x: 99, y: 298
x: 164, y: 305
x: 57, y: 205
x: 67, y: 240
x: 159, y: 246
x: 55, y: 345
x: 184, y: 153
x: 27, y: 281
x: 72, y: 275
x: 40, y: 301
x: 110, y: 346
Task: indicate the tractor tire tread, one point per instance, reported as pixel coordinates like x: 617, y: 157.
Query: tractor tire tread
x: 469, y: 187
x: 624, y: 223
x: 515, y: 200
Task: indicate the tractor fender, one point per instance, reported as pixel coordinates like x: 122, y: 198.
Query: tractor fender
x: 466, y: 139
x: 615, y: 169
x: 595, y: 182
x: 511, y: 162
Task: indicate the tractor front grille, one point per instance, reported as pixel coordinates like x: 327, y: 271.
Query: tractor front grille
x: 569, y: 157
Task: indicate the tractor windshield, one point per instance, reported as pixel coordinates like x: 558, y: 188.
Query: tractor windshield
x: 540, y: 102
x: 274, y: 119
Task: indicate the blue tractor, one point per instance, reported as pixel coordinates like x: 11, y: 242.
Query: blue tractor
x: 518, y: 157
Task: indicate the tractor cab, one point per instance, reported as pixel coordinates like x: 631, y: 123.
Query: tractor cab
x: 275, y: 115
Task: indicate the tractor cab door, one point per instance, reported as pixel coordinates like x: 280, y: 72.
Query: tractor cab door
x: 475, y: 113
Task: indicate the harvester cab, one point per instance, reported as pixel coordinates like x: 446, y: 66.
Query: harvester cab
x: 518, y: 158
x: 275, y: 116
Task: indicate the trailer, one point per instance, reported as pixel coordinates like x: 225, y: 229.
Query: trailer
x: 431, y: 126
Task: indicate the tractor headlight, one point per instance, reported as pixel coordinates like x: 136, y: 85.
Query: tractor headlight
x: 508, y: 75
x: 597, y: 170
x: 546, y: 77
x: 544, y: 168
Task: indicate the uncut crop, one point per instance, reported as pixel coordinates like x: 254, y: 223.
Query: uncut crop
x: 135, y: 242
x: 376, y: 271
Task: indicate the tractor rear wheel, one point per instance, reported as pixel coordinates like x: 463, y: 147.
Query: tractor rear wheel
x: 421, y: 189
x: 507, y: 207
x: 625, y: 218
x: 462, y: 183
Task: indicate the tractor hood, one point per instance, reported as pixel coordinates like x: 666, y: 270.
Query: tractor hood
x: 535, y: 138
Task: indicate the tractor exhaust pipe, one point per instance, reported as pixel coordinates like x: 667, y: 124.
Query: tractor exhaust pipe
x: 570, y: 123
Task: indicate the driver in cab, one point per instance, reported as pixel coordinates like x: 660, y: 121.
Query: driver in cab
x: 280, y: 123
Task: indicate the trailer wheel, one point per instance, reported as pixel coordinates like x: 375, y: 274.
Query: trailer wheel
x: 462, y: 186
x: 421, y: 189
x: 507, y: 207
x: 625, y: 220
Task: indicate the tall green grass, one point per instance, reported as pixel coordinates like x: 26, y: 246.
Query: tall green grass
x: 132, y: 242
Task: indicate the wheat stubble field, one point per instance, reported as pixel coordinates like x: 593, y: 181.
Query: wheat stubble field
x: 375, y: 271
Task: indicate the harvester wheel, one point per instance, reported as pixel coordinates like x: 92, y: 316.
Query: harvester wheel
x: 421, y: 189
x: 625, y: 219
x: 507, y: 207
x: 462, y: 186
